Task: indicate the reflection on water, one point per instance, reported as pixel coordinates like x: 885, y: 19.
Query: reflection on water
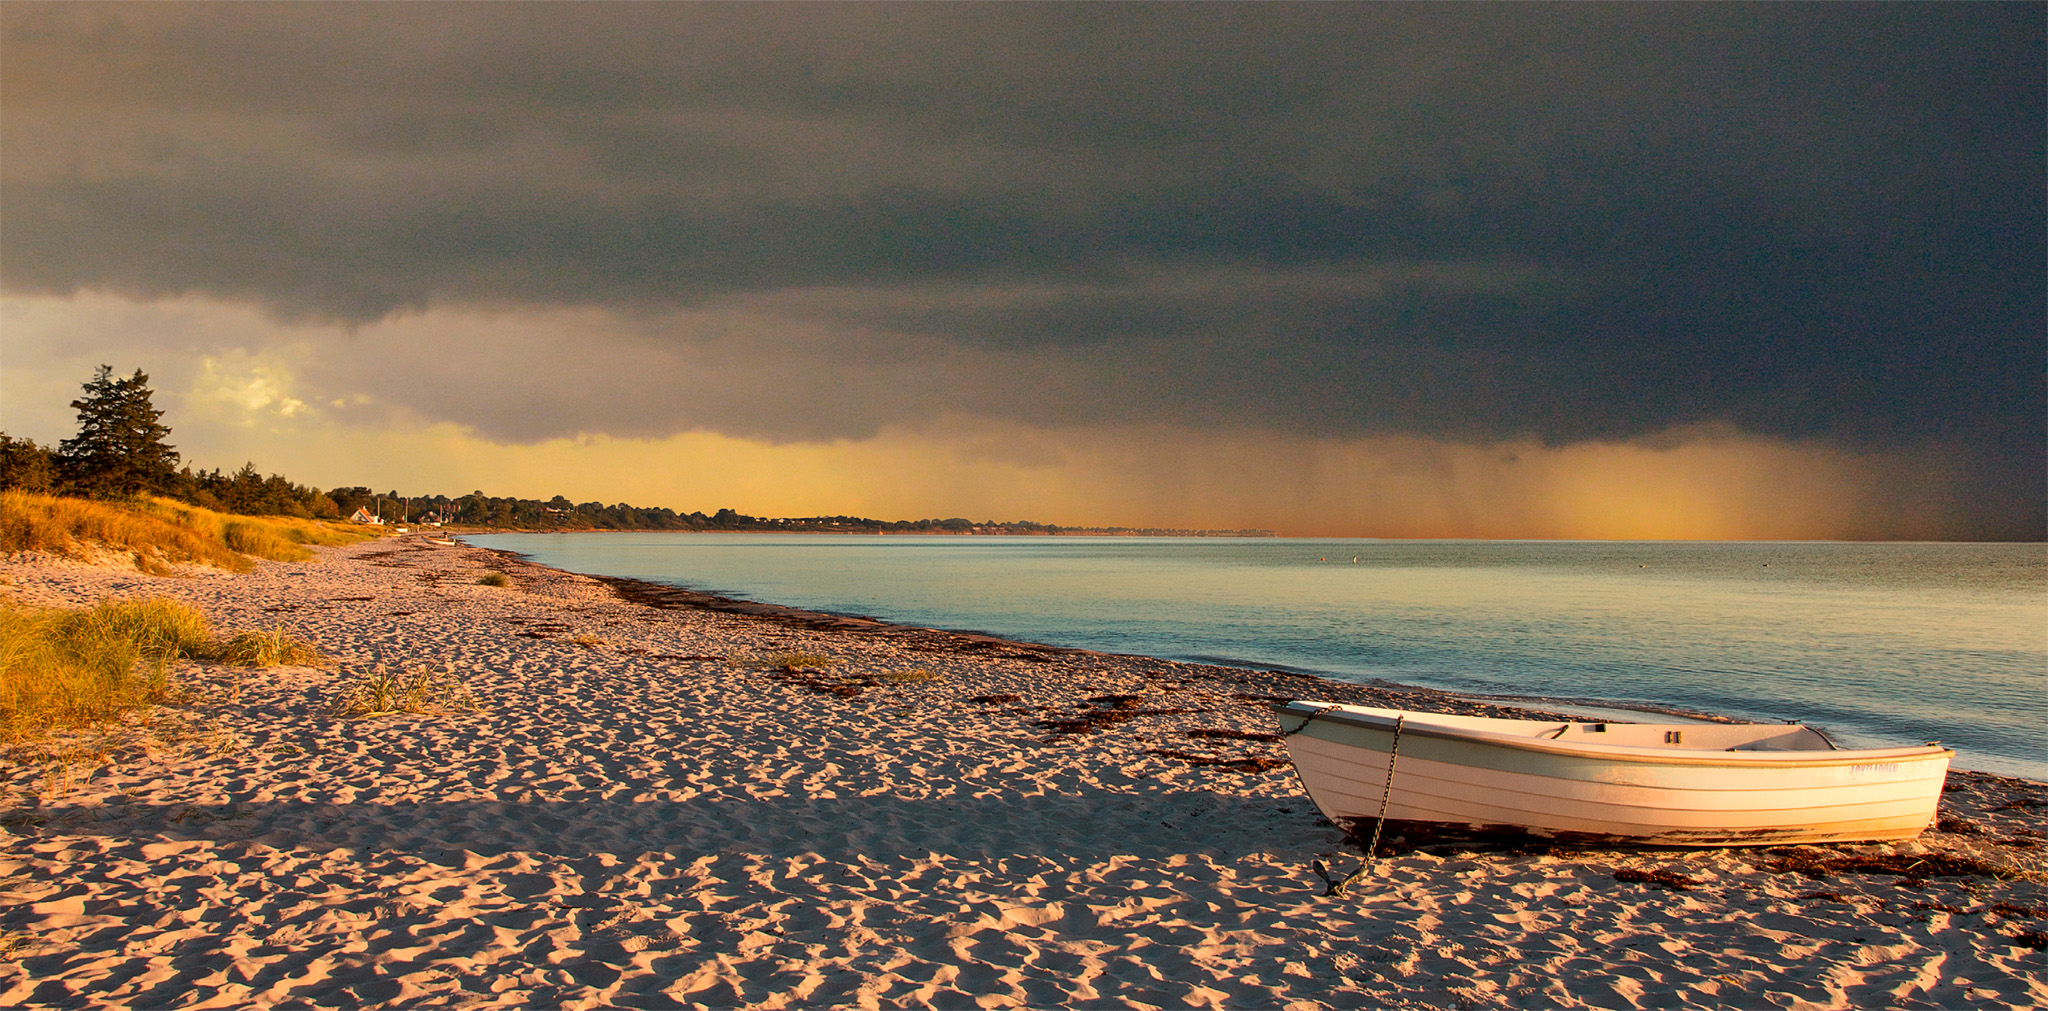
x: 1878, y: 643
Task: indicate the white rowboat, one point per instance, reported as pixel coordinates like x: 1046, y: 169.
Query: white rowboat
x: 1693, y: 784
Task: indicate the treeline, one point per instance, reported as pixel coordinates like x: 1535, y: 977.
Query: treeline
x: 27, y: 466
x: 120, y: 452
x: 558, y: 513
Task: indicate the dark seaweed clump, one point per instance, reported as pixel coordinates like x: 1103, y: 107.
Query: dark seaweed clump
x: 1953, y: 825
x: 1657, y: 876
x: 1111, y: 710
x: 1239, y: 764
x: 1929, y: 865
x: 1230, y: 735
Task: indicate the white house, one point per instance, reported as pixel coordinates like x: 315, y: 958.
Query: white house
x: 363, y: 516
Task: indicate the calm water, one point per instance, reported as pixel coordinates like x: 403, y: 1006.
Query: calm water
x: 1877, y: 643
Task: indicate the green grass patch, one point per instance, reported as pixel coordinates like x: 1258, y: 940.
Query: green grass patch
x: 495, y: 579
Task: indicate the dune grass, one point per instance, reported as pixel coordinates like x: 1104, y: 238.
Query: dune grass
x: 80, y: 668
x: 495, y: 579
x: 265, y: 648
x: 383, y: 692
x: 156, y: 533
x: 62, y: 669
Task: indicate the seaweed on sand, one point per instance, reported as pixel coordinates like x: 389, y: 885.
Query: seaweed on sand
x: 1109, y: 711
x: 1229, y: 735
x: 1253, y: 764
x: 1818, y: 865
x: 1662, y: 876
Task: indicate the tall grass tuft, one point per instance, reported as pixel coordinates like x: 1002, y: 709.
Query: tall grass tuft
x: 266, y: 648
x: 64, y: 669
x: 162, y: 630
x: 79, y: 668
x: 383, y: 691
x: 159, y: 531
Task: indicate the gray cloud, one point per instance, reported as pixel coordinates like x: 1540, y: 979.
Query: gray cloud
x: 1802, y: 220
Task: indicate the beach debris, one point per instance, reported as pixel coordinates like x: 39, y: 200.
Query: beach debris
x: 1238, y: 764
x: 1105, y: 711
x: 1828, y: 897
x: 2013, y: 909
x: 1262, y: 697
x: 996, y: 700
x: 844, y: 688
x: 1819, y: 865
x: 1211, y: 733
x: 807, y: 670
x: 538, y: 628
x: 1957, y: 826
x: 1661, y: 876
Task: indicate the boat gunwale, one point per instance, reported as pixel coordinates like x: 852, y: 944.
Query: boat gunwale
x: 1417, y: 724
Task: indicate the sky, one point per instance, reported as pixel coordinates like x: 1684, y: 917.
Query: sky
x: 1712, y: 271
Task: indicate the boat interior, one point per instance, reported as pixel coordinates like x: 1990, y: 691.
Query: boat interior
x: 1682, y: 736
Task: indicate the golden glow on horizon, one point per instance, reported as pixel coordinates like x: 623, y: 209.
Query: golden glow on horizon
x: 1708, y: 485
x: 228, y: 404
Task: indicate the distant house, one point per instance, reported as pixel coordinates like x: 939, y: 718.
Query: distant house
x: 363, y: 516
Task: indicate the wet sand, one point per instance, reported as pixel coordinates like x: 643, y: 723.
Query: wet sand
x: 666, y: 801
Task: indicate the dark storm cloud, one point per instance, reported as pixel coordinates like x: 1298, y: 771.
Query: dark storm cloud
x: 1805, y: 220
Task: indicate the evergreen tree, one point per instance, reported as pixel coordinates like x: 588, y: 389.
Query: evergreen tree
x: 120, y: 448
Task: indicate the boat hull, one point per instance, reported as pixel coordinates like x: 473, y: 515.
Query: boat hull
x: 1469, y: 779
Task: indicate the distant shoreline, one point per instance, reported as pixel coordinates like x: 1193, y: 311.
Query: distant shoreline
x: 1161, y: 532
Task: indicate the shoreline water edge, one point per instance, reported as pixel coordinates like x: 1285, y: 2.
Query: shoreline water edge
x: 663, y: 799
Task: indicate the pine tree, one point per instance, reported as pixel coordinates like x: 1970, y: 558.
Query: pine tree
x: 120, y: 448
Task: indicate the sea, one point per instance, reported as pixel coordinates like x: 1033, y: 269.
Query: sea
x: 1877, y: 644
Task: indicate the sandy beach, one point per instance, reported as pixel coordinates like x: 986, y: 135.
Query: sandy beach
x: 666, y: 800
